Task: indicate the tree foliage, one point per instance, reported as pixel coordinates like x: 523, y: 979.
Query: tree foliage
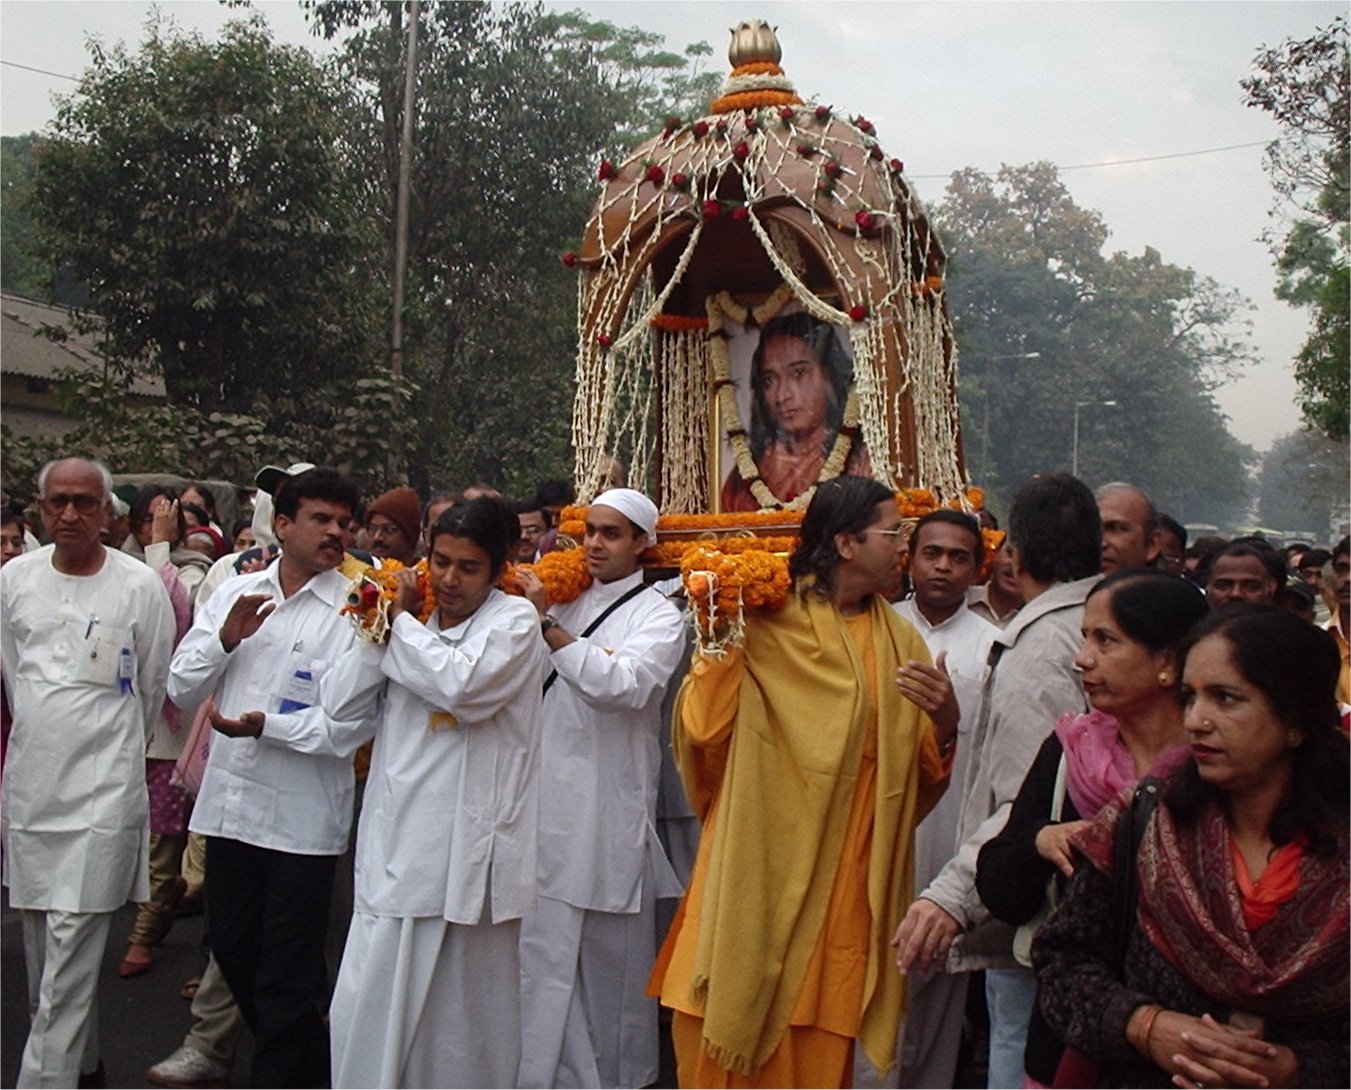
x: 1306, y: 87
x: 1027, y: 274
x: 21, y: 272
x: 1304, y: 483
x: 207, y: 194
x: 515, y: 106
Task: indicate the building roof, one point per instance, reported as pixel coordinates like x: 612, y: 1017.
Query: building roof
x: 26, y: 349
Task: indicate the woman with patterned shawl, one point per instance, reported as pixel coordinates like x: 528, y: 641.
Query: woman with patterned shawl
x: 1236, y: 973
x: 809, y: 754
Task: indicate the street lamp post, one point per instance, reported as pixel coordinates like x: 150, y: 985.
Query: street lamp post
x: 1074, y: 454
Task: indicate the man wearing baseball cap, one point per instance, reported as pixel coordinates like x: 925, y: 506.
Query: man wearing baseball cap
x: 589, y: 946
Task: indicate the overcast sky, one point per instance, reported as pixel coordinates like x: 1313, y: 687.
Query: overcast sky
x: 949, y: 85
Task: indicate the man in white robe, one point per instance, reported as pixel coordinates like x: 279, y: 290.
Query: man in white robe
x: 87, y: 636
x: 587, y: 950
x: 429, y: 989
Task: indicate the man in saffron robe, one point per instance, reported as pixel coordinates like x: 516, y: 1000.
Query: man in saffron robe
x: 809, y: 753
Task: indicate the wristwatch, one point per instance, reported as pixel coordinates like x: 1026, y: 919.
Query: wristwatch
x: 547, y: 622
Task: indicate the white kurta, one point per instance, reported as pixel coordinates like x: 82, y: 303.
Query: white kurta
x: 85, y: 659
x: 428, y: 993
x: 291, y: 789
x: 586, y: 953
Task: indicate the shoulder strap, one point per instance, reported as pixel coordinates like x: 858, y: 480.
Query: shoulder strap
x: 1058, y: 795
x: 553, y: 674
x: 1130, y: 831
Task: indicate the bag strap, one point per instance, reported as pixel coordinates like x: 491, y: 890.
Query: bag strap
x: 553, y: 674
x: 1058, y: 794
x: 1130, y: 831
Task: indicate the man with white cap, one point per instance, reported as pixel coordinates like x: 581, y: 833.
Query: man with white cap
x: 587, y: 950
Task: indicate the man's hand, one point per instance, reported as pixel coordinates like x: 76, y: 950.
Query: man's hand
x: 248, y: 725
x: 244, y: 619
x: 533, y: 590
x: 930, y: 688
x: 407, y: 594
x: 923, y: 939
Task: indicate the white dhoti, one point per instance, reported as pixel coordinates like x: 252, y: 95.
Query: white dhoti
x: 586, y: 1017
x: 62, y: 952
x: 421, y: 1002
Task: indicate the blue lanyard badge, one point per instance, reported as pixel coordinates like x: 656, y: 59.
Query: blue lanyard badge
x: 125, y: 671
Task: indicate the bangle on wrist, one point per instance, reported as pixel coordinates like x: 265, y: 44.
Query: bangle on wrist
x: 1144, y: 1029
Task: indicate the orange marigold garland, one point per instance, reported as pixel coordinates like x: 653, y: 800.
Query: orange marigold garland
x: 722, y: 586
x: 563, y: 573
x: 371, y: 593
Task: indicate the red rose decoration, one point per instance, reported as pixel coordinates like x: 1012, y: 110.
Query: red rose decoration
x: 569, y: 259
x: 741, y: 150
x: 786, y: 113
x: 607, y: 169
x: 722, y: 126
x: 858, y: 312
x: 875, y: 152
x: 864, y: 124
x: 711, y: 208
x: 898, y: 166
x: 831, y: 168
x: 741, y: 213
x: 701, y: 129
x: 655, y: 174
x: 822, y: 113
x: 806, y: 150
x: 865, y: 220
x: 680, y: 181
x: 605, y: 340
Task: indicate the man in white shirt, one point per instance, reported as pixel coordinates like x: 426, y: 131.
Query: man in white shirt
x: 86, y: 641
x: 276, y: 799
x: 1056, y: 537
x: 946, y: 554
x: 587, y: 950
x: 429, y: 990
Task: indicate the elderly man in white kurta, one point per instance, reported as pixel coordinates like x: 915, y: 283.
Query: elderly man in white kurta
x: 587, y: 950
x: 87, y: 636
x: 429, y: 990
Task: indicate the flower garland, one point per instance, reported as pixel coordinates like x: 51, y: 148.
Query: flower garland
x: 563, y: 573
x: 721, y: 587
x: 722, y: 305
x: 371, y: 593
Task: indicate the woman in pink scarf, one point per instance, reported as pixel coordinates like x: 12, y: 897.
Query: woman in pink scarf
x: 1133, y: 620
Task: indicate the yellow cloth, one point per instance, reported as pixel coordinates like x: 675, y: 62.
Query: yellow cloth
x: 771, y: 744
x: 1344, y: 678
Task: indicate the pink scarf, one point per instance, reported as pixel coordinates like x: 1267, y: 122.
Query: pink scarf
x: 1098, y: 763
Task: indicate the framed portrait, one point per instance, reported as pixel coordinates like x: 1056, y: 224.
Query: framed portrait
x: 785, y: 411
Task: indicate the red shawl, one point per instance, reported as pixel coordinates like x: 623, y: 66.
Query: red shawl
x: 1295, y: 966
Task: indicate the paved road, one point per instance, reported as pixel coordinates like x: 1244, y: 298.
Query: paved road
x: 142, y: 1019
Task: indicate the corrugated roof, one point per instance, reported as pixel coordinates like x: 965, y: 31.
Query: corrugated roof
x: 26, y: 350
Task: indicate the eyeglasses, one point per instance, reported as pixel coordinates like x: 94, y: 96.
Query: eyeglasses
x: 893, y: 534
x: 84, y: 504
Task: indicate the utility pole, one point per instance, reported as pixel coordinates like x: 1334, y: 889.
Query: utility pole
x: 405, y: 174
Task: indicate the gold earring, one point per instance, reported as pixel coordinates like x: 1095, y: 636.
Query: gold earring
x: 1165, y: 678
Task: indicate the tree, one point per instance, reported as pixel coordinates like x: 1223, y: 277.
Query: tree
x: 515, y: 106
x: 1027, y: 275
x: 1304, y: 482
x: 20, y: 270
x: 208, y: 195
x: 1306, y: 87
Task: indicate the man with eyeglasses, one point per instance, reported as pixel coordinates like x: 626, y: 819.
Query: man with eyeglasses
x: 86, y: 641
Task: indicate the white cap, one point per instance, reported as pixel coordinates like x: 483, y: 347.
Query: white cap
x: 634, y: 506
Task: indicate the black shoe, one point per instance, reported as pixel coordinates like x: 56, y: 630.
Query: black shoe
x: 96, y: 1079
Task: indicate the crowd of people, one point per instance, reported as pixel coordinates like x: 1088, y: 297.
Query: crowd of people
x: 1071, y: 814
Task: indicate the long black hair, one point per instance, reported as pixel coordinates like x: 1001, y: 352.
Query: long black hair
x: 825, y: 346
x: 842, y: 505
x: 1295, y: 665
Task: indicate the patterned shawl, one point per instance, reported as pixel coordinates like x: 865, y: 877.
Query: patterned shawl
x: 1294, y: 967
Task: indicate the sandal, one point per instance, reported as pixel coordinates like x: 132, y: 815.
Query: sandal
x: 189, y: 990
x: 135, y: 966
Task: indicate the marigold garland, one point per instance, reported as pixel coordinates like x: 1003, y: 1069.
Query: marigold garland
x: 750, y: 100
x: 721, y: 586
x: 678, y: 323
x: 563, y: 573
x: 372, y: 592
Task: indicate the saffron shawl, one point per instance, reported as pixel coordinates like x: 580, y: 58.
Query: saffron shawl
x: 784, y: 782
x: 1293, y: 967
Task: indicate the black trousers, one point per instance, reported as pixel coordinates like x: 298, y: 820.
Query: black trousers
x: 267, y: 914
